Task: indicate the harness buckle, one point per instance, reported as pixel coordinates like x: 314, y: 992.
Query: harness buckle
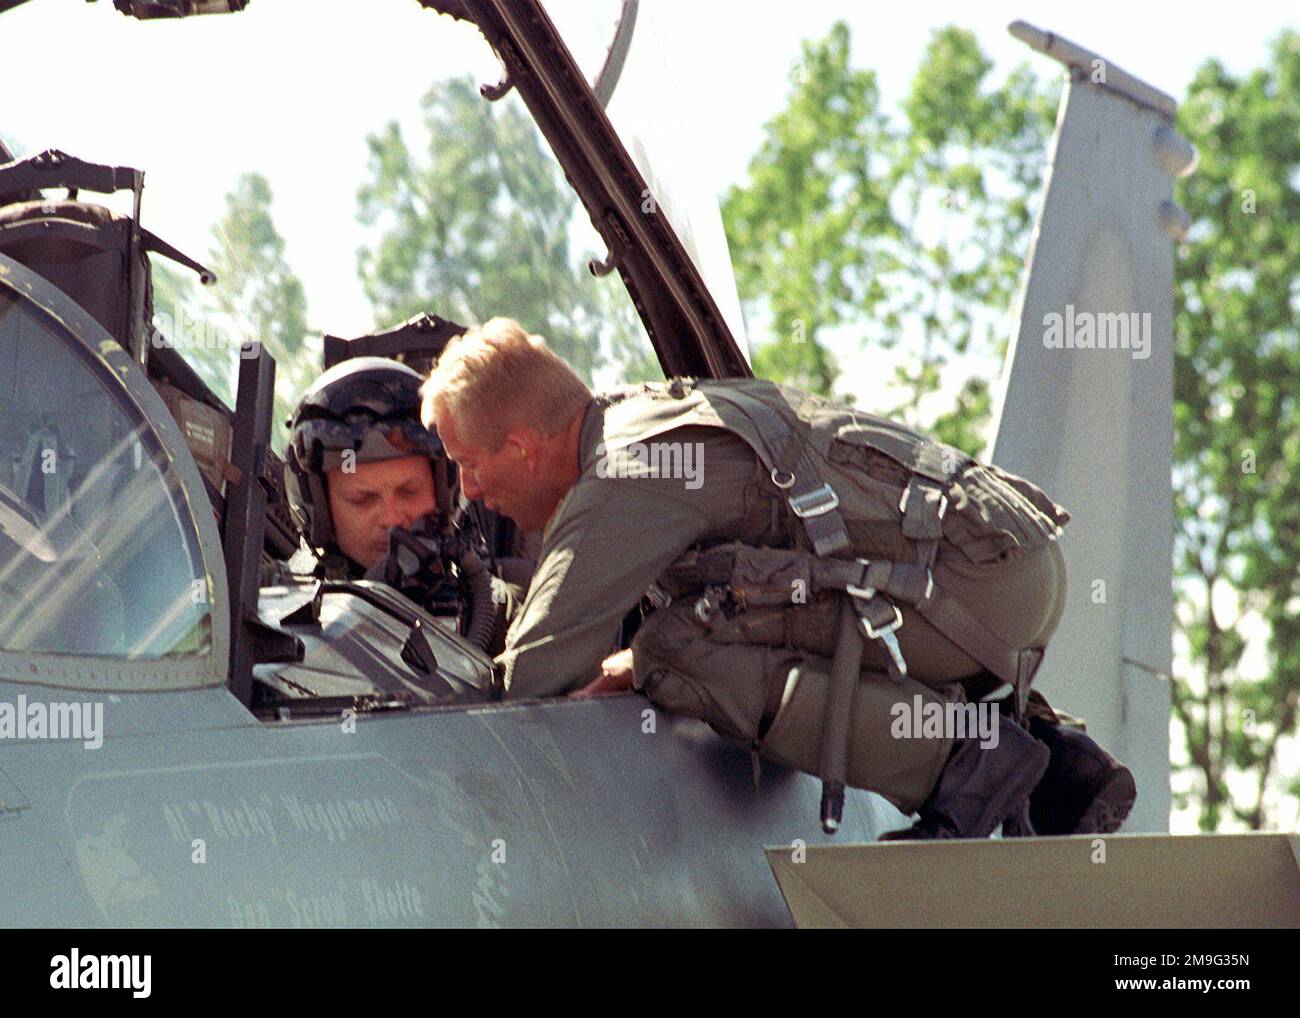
x: 943, y: 501
x: 884, y: 631
x: 717, y: 601
x: 890, y: 643
x: 885, y: 634
x: 817, y: 502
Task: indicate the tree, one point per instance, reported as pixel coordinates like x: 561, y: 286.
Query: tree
x: 481, y: 226
x: 1237, y: 435
x: 806, y: 231
x: 849, y: 223
x: 979, y: 156
x: 855, y: 221
x: 257, y: 297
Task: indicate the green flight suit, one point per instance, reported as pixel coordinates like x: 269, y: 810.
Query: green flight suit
x: 624, y: 522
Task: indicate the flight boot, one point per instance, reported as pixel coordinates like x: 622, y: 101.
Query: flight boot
x: 980, y: 788
x: 1085, y: 790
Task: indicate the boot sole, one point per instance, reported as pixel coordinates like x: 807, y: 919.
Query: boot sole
x: 1110, y: 807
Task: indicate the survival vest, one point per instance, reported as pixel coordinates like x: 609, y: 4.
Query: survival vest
x: 868, y: 502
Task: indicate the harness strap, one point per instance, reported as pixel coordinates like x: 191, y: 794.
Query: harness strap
x: 913, y: 584
x: 845, y: 666
x: 872, y: 588
x: 816, y: 505
x: 923, y: 506
x: 783, y: 453
x: 954, y: 621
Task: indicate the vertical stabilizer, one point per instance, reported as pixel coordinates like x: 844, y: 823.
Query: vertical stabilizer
x: 1087, y: 403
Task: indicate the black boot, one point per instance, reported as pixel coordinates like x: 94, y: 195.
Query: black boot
x: 1085, y: 789
x: 979, y: 788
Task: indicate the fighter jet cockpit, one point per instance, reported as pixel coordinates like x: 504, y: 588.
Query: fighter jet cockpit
x: 147, y: 547
x: 99, y: 529
x: 112, y: 575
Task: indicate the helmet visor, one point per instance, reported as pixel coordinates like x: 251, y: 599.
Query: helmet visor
x: 323, y: 444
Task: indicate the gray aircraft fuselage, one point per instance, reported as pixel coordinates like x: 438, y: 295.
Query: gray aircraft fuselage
x: 596, y: 812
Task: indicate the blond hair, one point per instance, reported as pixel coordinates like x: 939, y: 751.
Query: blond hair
x: 496, y: 378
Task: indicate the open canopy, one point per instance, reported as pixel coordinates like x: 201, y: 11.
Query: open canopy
x: 595, y: 78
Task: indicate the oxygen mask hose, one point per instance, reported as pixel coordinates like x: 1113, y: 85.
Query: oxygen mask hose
x: 482, y: 619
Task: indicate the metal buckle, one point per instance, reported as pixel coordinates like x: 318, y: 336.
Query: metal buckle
x: 817, y: 502
x: 888, y: 640
x: 783, y: 485
x: 890, y: 643
x: 716, y: 601
x: 885, y: 634
x: 867, y: 593
x: 883, y: 631
x: 943, y: 500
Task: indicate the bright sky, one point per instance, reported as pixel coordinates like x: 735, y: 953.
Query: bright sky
x: 290, y: 88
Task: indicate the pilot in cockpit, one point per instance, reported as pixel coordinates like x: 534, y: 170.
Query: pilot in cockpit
x: 375, y: 496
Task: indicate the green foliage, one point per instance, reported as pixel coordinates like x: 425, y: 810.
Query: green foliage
x: 805, y: 231
x: 911, y: 228
x: 1237, y: 427
x: 258, y: 297
x: 912, y: 237
x: 479, y: 226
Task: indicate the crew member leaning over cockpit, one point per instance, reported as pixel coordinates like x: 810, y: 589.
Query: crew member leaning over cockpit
x: 375, y: 496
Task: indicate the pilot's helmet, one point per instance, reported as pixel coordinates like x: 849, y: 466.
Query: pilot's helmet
x: 360, y: 411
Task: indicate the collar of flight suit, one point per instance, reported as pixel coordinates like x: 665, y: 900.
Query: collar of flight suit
x: 589, y: 438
